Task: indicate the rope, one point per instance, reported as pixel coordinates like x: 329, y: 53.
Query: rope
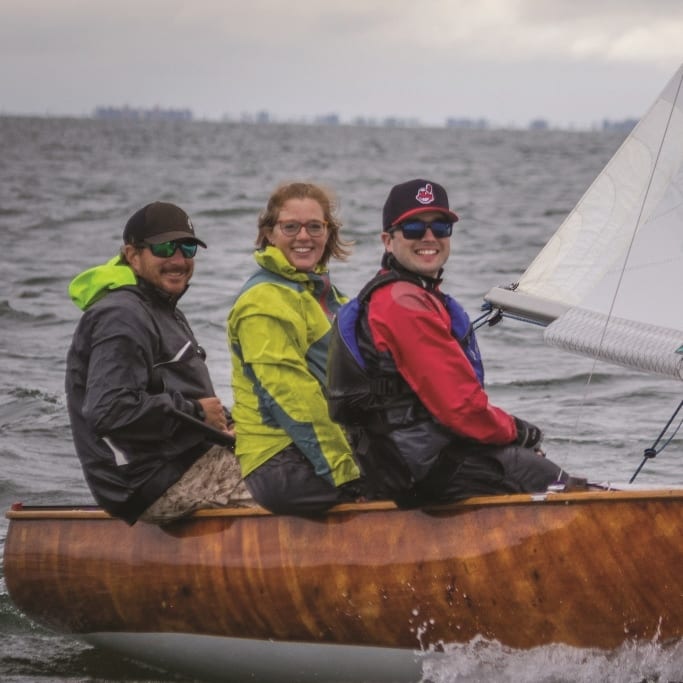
x: 491, y: 318
x: 652, y: 451
x: 484, y: 318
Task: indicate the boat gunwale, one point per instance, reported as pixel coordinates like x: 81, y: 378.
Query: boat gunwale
x: 19, y: 511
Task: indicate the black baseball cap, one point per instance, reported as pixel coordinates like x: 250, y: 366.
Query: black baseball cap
x: 159, y: 222
x: 414, y: 197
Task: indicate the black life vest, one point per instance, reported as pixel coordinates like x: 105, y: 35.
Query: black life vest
x: 396, y: 440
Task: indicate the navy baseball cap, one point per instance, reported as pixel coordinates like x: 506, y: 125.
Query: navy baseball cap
x: 412, y: 198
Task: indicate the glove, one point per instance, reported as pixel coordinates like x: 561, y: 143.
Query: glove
x: 528, y: 435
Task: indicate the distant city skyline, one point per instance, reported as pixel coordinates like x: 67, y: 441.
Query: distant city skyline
x: 264, y: 117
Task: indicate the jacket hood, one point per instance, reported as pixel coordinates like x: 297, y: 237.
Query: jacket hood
x: 92, y: 284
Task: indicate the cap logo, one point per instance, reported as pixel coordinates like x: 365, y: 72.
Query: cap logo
x: 425, y: 195
x: 189, y: 225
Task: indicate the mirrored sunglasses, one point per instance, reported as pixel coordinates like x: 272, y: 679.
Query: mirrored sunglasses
x: 167, y: 249
x: 416, y: 230
x: 293, y: 228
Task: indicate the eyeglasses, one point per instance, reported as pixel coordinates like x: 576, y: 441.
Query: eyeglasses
x: 416, y: 230
x: 167, y: 249
x: 293, y: 228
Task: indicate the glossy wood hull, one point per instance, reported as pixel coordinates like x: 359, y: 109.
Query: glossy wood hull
x: 588, y: 569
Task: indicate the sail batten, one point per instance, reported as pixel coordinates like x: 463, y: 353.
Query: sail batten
x: 619, y: 253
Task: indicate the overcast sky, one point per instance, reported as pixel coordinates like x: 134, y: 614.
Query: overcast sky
x: 572, y: 62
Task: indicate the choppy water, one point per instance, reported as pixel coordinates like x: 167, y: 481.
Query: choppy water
x: 67, y: 187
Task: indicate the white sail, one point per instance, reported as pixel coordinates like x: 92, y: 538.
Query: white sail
x: 609, y: 283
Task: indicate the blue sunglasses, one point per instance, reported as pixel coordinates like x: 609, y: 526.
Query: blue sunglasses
x: 416, y: 230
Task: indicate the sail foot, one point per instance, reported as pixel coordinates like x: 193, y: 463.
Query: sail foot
x: 632, y: 344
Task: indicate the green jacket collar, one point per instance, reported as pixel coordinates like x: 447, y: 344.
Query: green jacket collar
x: 273, y: 259
x: 92, y: 284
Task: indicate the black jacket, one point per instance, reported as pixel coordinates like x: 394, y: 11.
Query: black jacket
x: 133, y: 356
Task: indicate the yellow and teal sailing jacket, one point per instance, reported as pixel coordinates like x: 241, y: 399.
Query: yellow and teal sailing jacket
x: 278, y: 332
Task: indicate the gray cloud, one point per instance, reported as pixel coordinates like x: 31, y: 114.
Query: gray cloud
x: 507, y: 60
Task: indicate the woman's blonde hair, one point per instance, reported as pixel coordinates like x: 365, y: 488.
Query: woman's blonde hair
x: 335, y: 247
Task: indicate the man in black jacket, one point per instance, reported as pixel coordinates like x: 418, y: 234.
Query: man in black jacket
x: 136, y: 377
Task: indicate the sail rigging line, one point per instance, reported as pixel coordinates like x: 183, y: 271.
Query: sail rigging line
x: 646, y: 194
x: 652, y: 451
x: 600, y: 284
x: 627, y: 256
x: 484, y: 318
x: 491, y: 317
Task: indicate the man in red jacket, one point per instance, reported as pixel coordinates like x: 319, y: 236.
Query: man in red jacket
x: 406, y: 379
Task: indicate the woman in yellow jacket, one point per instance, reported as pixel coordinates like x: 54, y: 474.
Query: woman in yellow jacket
x: 294, y: 459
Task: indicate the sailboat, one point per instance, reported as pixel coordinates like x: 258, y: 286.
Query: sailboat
x: 608, y: 283
x: 369, y: 592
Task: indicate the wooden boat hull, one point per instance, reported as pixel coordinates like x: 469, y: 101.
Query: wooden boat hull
x: 588, y: 569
